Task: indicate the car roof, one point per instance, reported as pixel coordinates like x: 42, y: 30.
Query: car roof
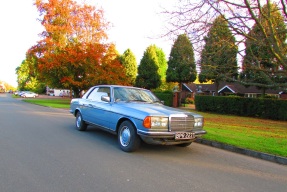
x: 119, y: 86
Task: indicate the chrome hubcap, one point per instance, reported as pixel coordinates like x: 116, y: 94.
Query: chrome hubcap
x: 79, y: 120
x: 125, y: 136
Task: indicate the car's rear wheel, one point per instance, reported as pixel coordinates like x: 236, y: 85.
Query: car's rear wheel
x: 127, y: 137
x: 81, y: 125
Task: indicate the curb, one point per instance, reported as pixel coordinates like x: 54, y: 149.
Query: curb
x: 256, y: 154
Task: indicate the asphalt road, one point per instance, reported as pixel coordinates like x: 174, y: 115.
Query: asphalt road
x: 41, y: 151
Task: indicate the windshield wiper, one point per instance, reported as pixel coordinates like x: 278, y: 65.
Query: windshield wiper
x: 136, y: 100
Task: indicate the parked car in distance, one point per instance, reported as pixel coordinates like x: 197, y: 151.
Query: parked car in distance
x: 135, y: 115
x: 17, y: 92
x: 28, y: 94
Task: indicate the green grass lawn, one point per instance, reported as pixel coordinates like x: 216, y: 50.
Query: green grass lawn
x: 262, y: 135
x: 55, y: 103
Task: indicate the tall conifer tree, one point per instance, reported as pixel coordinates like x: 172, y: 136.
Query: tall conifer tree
x: 181, y: 64
x: 148, y: 70
x: 162, y: 63
x: 129, y: 61
x: 218, y: 58
x: 260, y: 66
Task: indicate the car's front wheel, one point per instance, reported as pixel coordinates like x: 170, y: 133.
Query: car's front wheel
x: 127, y: 137
x: 80, y: 123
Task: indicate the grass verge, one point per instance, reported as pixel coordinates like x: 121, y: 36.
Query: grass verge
x: 261, y: 135
x: 55, y: 103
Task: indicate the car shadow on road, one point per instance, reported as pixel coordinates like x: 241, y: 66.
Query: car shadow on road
x: 110, y: 140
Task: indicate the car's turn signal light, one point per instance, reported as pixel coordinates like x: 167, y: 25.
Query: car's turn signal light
x: 147, y: 122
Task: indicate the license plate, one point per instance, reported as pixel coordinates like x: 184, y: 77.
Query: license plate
x: 184, y: 135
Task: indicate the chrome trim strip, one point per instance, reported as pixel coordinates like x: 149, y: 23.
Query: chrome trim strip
x: 101, y: 127
x: 166, y: 134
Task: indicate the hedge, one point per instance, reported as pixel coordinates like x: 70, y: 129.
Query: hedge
x: 166, y: 96
x: 252, y: 107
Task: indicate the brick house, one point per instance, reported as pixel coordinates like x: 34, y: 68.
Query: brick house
x: 227, y: 88
x: 2, y: 87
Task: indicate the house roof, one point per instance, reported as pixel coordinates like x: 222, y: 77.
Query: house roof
x: 190, y: 87
x: 228, y: 87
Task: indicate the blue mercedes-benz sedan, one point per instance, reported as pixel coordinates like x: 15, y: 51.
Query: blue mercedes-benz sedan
x: 135, y: 115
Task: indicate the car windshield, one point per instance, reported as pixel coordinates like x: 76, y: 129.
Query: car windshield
x: 134, y: 94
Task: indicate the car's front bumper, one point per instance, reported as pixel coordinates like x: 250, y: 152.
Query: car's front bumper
x: 167, y: 138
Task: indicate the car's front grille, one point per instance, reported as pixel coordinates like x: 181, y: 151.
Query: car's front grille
x: 181, y: 123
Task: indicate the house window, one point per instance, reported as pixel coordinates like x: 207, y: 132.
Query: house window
x: 251, y: 95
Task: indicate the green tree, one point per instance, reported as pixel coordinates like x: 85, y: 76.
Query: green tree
x: 162, y: 63
x: 260, y: 66
x: 27, y: 78
x: 128, y: 60
x: 218, y: 58
x: 22, y: 75
x: 196, y: 18
x: 148, y: 70
x: 181, y: 63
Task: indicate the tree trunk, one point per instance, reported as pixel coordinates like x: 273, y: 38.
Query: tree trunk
x: 263, y: 92
x: 216, y: 87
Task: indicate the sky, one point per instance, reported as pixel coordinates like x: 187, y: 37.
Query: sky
x: 137, y: 24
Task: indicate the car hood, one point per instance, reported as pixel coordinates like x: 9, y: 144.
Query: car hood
x: 148, y: 109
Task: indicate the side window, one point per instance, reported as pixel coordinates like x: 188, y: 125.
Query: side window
x: 98, y: 92
x: 93, y: 94
x: 87, y: 94
x: 105, y: 90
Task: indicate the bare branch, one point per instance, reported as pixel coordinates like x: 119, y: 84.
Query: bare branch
x: 195, y: 18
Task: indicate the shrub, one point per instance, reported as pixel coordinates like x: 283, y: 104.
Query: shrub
x: 166, y: 96
x: 253, y: 107
x: 189, y: 100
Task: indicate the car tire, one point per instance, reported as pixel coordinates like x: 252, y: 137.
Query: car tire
x: 184, y: 144
x: 81, y: 125
x: 128, y: 139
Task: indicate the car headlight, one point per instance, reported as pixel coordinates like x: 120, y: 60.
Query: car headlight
x: 198, y: 122
x: 155, y: 122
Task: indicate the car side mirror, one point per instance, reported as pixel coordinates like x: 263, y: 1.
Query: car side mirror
x: 105, y: 98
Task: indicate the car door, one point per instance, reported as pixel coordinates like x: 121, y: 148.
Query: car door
x: 97, y: 111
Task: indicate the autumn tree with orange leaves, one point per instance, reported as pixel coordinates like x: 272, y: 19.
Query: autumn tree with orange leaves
x: 74, y: 53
